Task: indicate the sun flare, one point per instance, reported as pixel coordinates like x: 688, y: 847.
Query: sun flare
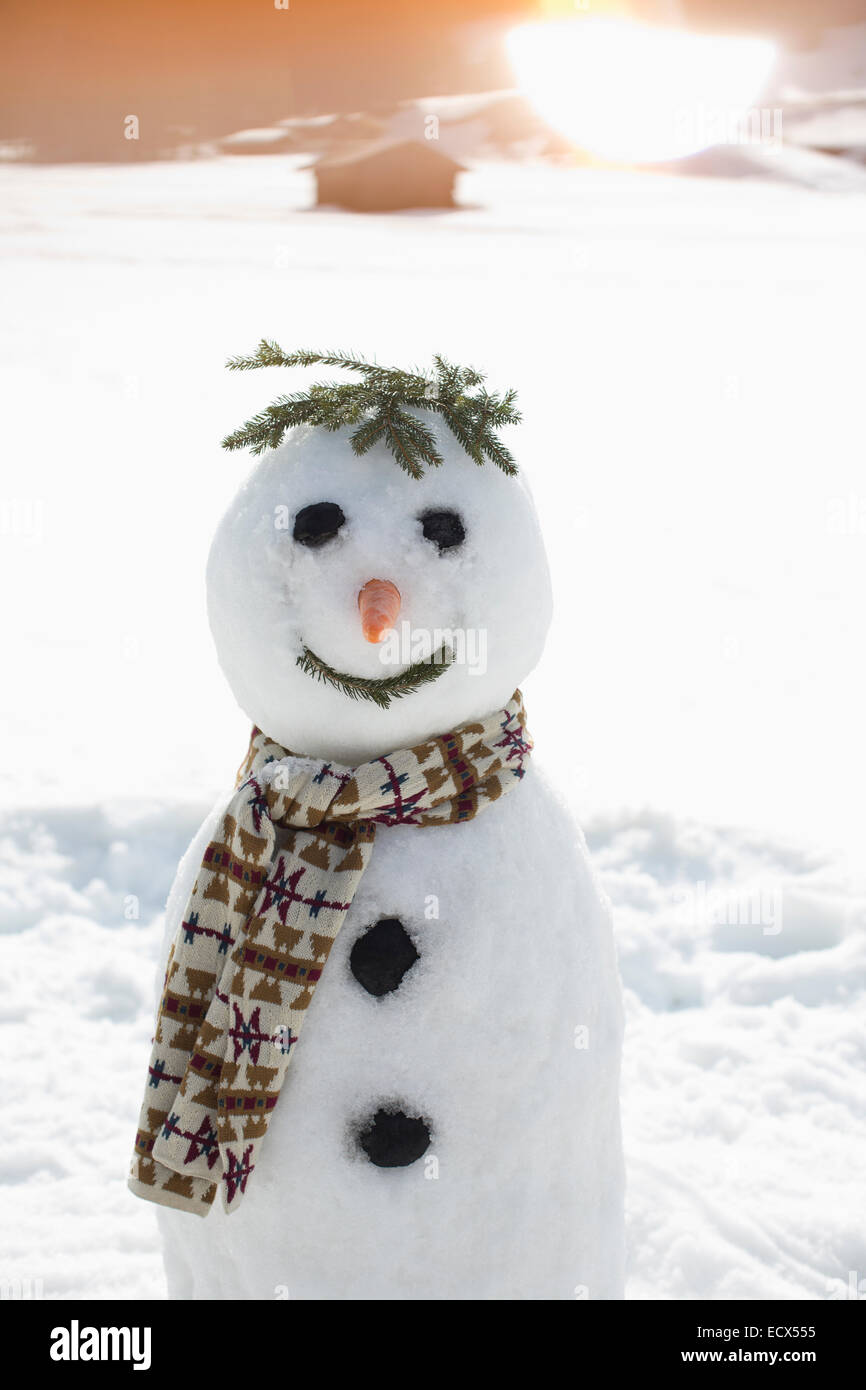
x: 629, y: 93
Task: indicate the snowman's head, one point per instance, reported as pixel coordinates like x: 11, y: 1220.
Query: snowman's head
x: 461, y: 565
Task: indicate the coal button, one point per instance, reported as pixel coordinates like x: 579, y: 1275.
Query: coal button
x: 380, y: 958
x: 393, y: 1139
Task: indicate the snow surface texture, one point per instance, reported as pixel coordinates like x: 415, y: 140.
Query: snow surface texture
x: 744, y: 1101
x: 703, y: 513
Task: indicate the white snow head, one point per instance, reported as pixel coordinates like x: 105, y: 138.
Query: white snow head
x: 289, y: 572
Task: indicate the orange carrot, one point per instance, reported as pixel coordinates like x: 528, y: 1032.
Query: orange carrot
x: 379, y: 602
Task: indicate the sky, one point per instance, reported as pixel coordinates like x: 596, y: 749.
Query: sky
x: 198, y: 69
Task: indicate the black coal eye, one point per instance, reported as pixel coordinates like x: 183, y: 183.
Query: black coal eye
x: 318, y: 523
x: 445, y: 529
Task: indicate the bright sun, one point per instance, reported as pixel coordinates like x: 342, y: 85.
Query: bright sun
x: 628, y: 92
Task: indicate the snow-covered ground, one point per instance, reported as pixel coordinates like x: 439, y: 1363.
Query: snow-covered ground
x: 688, y: 360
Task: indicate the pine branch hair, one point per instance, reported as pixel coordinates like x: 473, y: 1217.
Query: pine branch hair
x: 378, y: 407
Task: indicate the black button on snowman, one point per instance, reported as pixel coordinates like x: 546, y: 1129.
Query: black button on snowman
x: 379, y: 960
x: 382, y: 955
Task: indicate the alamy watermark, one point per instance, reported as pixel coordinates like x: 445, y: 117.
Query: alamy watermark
x: 22, y: 518
x: 760, y: 905
x: 853, y: 1288
x: 699, y: 127
x: 16, y: 1288
x: 846, y: 516
x: 467, y: 645
x: 77, y: 1343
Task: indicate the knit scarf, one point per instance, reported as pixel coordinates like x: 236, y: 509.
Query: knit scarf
x: 271, y: 894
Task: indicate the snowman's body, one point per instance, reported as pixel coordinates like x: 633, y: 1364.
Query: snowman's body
x: 504, y: 1034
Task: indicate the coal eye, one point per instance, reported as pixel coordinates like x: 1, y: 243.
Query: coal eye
x: 318, y: 523
x: 445, y: 529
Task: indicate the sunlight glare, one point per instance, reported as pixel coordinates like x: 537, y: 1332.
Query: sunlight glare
x: 628, y: 92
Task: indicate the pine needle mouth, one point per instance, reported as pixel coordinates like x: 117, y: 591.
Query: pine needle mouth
x: 380, y: 692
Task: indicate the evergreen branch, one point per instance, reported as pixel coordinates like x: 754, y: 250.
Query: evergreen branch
x: 266, y: 429
x: 402, y: 448
x: 270, y: 354
x: 408, y: 435
x: 460, y: 424
x: 267, y: 354
x: 367, y: 435
x: 481, y: 427
x: 381, y: 692
x: 380, y: 407
x: 470, y: 377
x: 448, y: 376
x: 498, y: 454
x: 499, y: 410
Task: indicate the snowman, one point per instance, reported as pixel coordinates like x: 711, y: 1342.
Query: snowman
x: 394, y: 873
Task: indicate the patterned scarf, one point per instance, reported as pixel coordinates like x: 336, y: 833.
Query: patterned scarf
x: 257, y: 931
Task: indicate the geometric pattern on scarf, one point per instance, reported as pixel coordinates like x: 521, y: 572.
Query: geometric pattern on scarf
x: 261, y: 919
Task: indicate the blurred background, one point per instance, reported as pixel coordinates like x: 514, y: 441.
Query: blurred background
x: 648, y: 218
x: 201, y: 70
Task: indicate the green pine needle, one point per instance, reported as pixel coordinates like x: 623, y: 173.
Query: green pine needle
x: 382, y: 691
x: 376, y: 406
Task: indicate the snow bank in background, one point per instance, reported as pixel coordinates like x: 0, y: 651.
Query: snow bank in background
x: 744, y: 1100
x: 81, y: 897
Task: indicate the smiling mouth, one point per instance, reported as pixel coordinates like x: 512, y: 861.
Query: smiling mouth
x: 379, y: 692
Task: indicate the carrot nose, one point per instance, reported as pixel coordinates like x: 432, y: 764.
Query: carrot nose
x: 379, y: 602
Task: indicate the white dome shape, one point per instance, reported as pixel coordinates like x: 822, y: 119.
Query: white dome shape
x: 270, y: 596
